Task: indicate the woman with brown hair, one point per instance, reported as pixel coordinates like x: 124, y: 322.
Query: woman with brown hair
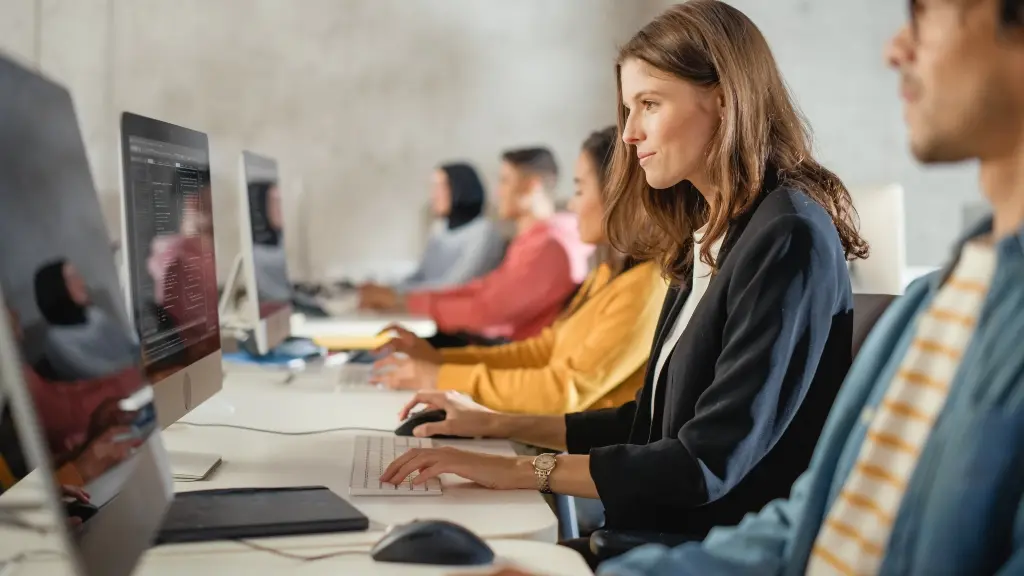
x: 713, y: 178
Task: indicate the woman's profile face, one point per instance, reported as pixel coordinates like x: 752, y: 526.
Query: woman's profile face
x: 670, y: 123
x: 587, y: 203
x: 440, y: 194
x: 77, y: 289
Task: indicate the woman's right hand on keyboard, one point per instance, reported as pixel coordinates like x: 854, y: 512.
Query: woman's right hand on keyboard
x: 464, y: 417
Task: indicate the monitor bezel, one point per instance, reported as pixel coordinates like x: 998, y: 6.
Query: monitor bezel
x: 176, y: 393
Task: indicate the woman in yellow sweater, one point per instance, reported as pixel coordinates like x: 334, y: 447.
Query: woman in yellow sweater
x: 593, y: 357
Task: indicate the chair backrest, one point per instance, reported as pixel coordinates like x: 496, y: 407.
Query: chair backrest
x: 867, y: 309
x: 883, y: 226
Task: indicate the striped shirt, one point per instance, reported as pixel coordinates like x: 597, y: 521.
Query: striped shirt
x: 856, y: 531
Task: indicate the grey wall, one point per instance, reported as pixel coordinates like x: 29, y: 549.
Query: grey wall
x: 360, y: 98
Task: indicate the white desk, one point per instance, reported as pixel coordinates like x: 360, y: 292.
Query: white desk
x: 237, y: 558
x: 253, y: 459
x: 359, y: 323
x: 542, y: 559
x: 519, y: 525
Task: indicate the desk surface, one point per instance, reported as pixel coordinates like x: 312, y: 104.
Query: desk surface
x: 543, y: 559
x: 254, y: 459
x: 518, y: 524
x: 359, y: 323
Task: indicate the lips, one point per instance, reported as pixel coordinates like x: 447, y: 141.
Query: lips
x: 909, y: 90
x: 643, y: 157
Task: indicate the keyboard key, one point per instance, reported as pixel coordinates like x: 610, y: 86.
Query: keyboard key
x: 373, y: 454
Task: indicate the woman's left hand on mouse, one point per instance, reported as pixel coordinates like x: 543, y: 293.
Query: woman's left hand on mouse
x: 495, y: 472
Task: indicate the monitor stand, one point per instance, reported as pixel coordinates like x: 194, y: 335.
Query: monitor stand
x: 192, y: 466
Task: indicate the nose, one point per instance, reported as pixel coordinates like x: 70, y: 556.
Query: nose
x: 899, y: 51
x: 631, y: 133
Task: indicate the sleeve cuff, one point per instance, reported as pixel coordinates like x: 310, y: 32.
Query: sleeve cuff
x: 577, y: 439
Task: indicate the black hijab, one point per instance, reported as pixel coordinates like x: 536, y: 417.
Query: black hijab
x: 54, y: 299
x: 467, y: 193
x: 259, y: 214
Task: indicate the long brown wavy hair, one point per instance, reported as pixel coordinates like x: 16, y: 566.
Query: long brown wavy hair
x: 762, y: 135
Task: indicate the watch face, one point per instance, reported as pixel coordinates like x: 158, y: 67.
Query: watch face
x: 545, y: 462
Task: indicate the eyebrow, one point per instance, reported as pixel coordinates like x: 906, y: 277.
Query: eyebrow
x: 640, y: 95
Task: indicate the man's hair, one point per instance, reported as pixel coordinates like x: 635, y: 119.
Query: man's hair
x: 1013, y: 12
x: 539, y: 162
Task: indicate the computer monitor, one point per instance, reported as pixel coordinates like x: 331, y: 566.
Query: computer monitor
x: 168, y: 252
x: 883, y: 226
x: 75, y: 370
x: 261, y: 271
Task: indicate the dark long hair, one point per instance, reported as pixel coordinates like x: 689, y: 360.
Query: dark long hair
x: 599, y: 148
x: 762, y: 137
x: 467, y: 194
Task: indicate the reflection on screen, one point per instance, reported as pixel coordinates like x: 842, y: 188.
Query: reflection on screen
x: 78, y: 353
x: 266, y: 218
x: 173, y: 267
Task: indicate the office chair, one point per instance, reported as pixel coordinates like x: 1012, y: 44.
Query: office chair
x: 607, y: 544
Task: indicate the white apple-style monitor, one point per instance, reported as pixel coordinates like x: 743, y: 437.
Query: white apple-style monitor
x: 883, y: 226
x: 168, y: 251
x: 258, y: 295
x: 82, y: 409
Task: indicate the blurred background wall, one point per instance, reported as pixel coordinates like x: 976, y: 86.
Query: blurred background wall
x: 359, y: 99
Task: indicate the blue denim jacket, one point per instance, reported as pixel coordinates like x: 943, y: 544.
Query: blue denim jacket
x: 963, y: 512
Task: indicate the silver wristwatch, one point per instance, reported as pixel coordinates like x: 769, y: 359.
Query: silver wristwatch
x: 543, y: 465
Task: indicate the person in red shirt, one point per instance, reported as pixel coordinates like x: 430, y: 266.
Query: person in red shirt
x: 543, y: 266
x: 85, y: 431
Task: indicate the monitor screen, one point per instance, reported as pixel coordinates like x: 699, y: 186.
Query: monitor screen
x: 172, y: 264
x: 78, y: 353
x: 266, y: 219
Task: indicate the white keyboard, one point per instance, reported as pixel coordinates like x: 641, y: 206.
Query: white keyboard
x: 355, y: 375
x: 373, y: 454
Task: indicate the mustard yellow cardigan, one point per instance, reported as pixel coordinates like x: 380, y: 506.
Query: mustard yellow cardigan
x: 592, y: 358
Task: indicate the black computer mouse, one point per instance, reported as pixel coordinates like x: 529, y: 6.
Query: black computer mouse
x: 81, y: 510
x: 422, y: 417
x: 432, y: 542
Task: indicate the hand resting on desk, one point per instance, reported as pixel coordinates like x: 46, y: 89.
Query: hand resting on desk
x: 380, y: 298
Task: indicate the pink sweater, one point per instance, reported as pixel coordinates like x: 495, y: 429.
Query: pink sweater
x: 521, y: 297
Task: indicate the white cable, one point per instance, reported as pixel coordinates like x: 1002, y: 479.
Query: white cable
x: 301, y: 557
x: 284, y: 433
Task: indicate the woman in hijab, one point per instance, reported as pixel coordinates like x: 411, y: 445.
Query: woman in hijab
x: 464, y: 244
x: 81, y: 341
